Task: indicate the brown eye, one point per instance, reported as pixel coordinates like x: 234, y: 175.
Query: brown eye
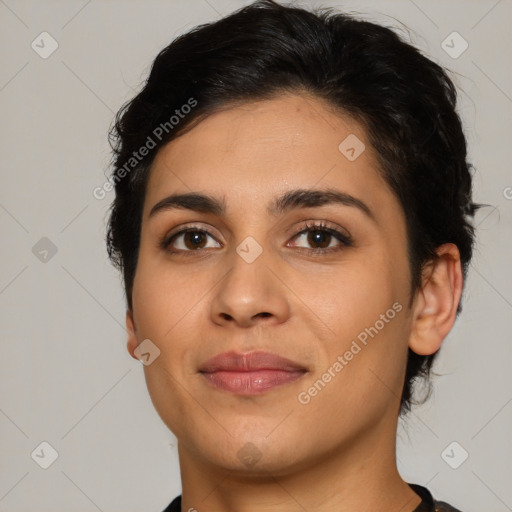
x: 188, y: 240
x: 320, y: 237
x: 194, y: 239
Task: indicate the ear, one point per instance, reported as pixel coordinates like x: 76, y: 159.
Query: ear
x: 132, y: 342
x: 436, y: 303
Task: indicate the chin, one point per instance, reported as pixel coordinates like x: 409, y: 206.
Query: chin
x: 251, y: 461
x: 254, y: 453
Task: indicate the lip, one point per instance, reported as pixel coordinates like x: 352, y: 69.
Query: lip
x: 251, y: 373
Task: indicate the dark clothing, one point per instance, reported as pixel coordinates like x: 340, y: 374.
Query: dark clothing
x: 428, y: 504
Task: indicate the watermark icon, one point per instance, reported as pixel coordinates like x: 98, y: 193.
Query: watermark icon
x: 351, y: 147
x: 304, y: 397
x: 454, y: 45
x: 44, y: 45
x: 151, y: 142
x: 44, y: 455
x: 44, y: 250
x: 249, y: 454
x: 507, y: 193
x: 454, y: 455
x: 249, y: 249
x: 146, y: 352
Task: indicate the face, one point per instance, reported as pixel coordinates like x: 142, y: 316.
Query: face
x: 319, y: 278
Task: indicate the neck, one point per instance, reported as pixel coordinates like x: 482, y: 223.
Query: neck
x: 360, y: 475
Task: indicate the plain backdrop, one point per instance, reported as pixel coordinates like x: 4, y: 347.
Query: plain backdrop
x: 66, y: 377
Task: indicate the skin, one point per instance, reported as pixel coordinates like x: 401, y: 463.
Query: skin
x: 336, y: 453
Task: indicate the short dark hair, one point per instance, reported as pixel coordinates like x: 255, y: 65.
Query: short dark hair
x: 405, y: 101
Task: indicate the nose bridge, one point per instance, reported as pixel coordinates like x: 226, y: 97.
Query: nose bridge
x: 250, y: 290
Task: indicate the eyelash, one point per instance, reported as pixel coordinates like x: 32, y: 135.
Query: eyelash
x: 345, y: 240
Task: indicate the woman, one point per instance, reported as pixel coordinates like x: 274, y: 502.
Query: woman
x: 292, y: 223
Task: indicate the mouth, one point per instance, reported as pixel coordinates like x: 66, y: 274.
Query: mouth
x: 252, y: 373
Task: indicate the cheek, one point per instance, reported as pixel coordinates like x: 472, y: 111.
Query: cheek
x: 366, y: 307
x: 170, y: 309
x: 162, y: 297
x: 164, y: 309
x: 353, y: 297
x: 362, y: 378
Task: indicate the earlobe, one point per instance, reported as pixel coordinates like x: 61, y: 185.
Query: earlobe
x: 132, y: 337
x: 436, y: 304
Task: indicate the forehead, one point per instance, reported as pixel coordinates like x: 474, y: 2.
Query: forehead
x: 249, y: 152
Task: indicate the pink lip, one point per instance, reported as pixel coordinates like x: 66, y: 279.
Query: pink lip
x: 251, y: 373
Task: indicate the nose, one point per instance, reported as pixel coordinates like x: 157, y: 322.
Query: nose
x: 250, y: 294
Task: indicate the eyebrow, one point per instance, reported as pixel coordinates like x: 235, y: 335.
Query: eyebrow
x: 290, y: 200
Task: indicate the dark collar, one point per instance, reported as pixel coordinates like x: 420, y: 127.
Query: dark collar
x: 428, y: 504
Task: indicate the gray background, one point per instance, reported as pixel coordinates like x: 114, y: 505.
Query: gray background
x: 66, y: 376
